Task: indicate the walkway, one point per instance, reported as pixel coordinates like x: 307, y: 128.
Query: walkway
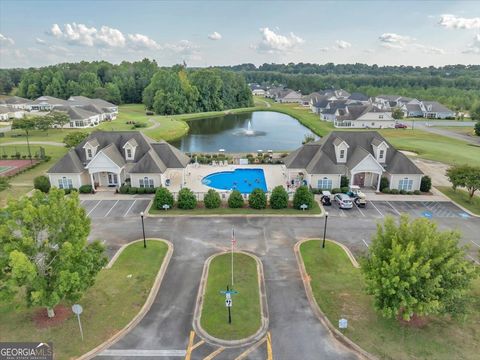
x: 49, y: 143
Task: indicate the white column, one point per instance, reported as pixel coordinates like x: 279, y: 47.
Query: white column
x: 92, y: 181
x: 378, y: 184
x: 352, y: 175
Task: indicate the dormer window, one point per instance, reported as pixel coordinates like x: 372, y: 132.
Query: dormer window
x: 381, y: 154
x: 130, y: 147
x: 90, y: 148
x: 129, y: 153
x: 380, y: 148
x: 89, y: 154
x: 341, y: 148
x: 342, y: 154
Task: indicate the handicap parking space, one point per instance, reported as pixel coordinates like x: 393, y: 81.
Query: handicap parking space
x: 380, y: 209
x: 114, y: 208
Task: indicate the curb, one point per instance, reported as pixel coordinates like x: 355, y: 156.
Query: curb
x: 146, y: 306
x: 263, y: 307
x: 334, y: 332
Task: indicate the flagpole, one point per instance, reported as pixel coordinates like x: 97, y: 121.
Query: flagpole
x: 233, y: 239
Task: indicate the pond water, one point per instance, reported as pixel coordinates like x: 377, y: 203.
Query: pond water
x: 247, y: 132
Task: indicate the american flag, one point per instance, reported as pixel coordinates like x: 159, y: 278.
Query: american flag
x: 234, y: 241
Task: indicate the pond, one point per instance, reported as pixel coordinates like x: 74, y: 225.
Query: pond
x: 247, y: 132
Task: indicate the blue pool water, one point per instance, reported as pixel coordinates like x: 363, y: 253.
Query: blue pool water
x: 243, y: 180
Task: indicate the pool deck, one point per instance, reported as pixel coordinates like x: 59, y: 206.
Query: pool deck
x: 274, y: 175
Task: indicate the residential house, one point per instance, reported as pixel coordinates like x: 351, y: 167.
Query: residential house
x: 358, y: 98
x: 15, y: 102
x: 9, y: 112
x: 435, y: 110
x: 46, y: 103
x: 333, y: 109
x: 289, y: 96
x: 362, y: 156
x: 363, y: 117
x: 412, y: 109
x: 109, y: 159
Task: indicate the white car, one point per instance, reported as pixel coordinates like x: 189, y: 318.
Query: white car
x: 343, y: 201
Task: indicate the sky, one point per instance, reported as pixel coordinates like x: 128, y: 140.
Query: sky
x: 209, y: 33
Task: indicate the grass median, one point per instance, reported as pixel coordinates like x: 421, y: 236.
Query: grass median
x: 246, y: 317
x: 338, y: 288
x: 461, y: 197
x: 117, y: 296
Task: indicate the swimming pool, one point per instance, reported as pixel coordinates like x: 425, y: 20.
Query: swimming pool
x: 243, y: 180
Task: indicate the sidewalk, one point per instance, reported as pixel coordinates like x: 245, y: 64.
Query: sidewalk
x: 110, y: 195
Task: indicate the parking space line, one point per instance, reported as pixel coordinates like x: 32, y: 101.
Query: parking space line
x: 134, y: 201
x: 108, y: 212
x: 99, y: 201
x: 393, y: 208
x: 361, y: 212
x: 371, y: 202
x: 201, y: 342
x: 475, y: 261
x: 475, y: 243
x: 269, y: 347
x: 408, y: 205
x: 189, y: 347
x: 342, y: 213
x: 251, y: 349
x: 365, y: 243
x: 213, y: 354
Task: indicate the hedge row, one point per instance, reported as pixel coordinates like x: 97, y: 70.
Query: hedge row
x: 131, y: 190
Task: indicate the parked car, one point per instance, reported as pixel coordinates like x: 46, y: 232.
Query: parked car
x: 400, y: 126
x: 326, y: 198
x: 343, y: 201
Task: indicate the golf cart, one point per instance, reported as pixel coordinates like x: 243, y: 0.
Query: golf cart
x: 326, y: 198
x: 357, y: 196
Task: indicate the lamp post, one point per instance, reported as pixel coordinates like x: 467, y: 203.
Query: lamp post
x: 325, y: 229
x: 143, y: 229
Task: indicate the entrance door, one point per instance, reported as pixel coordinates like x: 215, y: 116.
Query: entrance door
x: 359, y: 179
x: 112, y: 179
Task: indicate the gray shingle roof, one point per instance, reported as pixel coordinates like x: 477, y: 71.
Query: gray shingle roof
x: 13, y: 100
x: 70, y: 163
x: 114, y: 154
x: 435, y: 107
x: 75, y: 113
x: 360, y: 142
x: 358, y: 96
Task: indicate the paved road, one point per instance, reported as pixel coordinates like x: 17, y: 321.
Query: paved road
x: 435, y: 127
x: 293, y: 327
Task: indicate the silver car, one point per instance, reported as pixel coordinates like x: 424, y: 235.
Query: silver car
x: 343, y: 201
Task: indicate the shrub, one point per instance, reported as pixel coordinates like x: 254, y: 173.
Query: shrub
x: 163, y: 196
x: 257, y: 199
x: 279, y: 198
x: 302, y: 196
x: 69, y: 191
x: 235, y: 200
x: 141, y: 191
x: 344, y: 181
x: 416, y: 192
x: 403, y: 192
x: 386, y: 190
x: 124, y: 189
x: 394, y: 191
x: 132, y: 190
x: 336, y: 190
x: 212, y: 199
x: 425, y: 184
x: 4, y: 184
x: 85, y: 189
x: 42, y: 183
x: 186, y: 199
x: 150, y: 190
x: 344, y: 189
x: 384, y: 183
x: 477, y: 128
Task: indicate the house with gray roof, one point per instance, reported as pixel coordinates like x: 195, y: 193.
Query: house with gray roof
x: 435, y: 110
x: 362, y: 156
x: 109, y: 159
x: 289, y: 96
x: 16, y: 102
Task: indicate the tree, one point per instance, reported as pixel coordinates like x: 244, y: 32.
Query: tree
x: 303, y: 196
x: 465, y: 176
x: 212, y: 199
x: 4, y: 185
x: 44, y: 258
x: 475, y: 111
x: 186, y: 199
x: 257, y: 199
x: 163, y: 196
x: 344, y: 181
x: 384, y: 183
x: 477, y: 128
x: 279, y: 198
x: 397, y: 114
x: 59, y: 119
x: 414, y: 269
x: 43, y: 123
x: 235, y: 200
x: 42, y: 183
x: 73, y: 139
x: 425, y: 184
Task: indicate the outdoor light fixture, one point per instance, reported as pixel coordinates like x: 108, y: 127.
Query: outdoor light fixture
x: 143, y: 229
x: 325, y: 229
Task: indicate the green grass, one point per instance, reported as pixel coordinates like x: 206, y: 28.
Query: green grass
x: 242, y: 211
x: 23, y: 183
x: 339, y: 291
x: 246, y: 319
x: 461, y: 197
x: 108, y: 306
x: 433, y: 147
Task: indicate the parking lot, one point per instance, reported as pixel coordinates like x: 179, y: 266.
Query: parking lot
x: 114, y: 208
x: 380, y: 209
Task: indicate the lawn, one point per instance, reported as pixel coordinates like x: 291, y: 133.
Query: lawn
x: 461, y: 197
x: 23, y: 183
x: 338, y: 288
x: 433, y: 147
x: 202, y: 211
x: 108, y: 306
x: 246, y: 319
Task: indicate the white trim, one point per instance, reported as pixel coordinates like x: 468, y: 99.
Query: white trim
x: 95, y: 157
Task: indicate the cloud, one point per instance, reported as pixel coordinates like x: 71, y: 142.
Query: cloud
x: 215, y: 36
x: 186, y: 48
x: 6, y: 40
x: 395, y: 41
x: 55, y: 31
x: 110, y: 37
x: 450, y: 21
x: 274, y: 42
x: 474, y: 47
x: 142, y: 42
x: 429, y: 49
x: 341, y: 44
x: 40, y: 41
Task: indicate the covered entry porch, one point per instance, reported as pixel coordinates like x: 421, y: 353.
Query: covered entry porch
x: 367, y: 173
x: 107, y: 179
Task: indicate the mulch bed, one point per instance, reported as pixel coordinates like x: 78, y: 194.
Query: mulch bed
x: 15, y: 165
x: 415, y: 321
x: 42, y: 321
